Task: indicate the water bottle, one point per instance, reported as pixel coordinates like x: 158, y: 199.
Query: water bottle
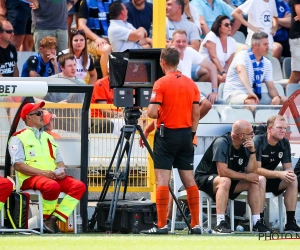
x: 239, y: 228
x: 275, y: 224
x: 79, y: 224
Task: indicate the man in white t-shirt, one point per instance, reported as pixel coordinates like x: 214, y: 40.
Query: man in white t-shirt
x: 175, y: 21
x: 262, y: 16
x: 189, y: 57
x: 122, y: 35
x: 241, y: 87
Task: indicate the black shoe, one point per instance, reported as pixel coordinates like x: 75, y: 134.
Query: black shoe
x: 261, y: 227
x: 196, y: 230
x: 291, y: 227
x: 156, y: 230
x: 57, y: 230
x: 222, y: 228
x: 49, y: 224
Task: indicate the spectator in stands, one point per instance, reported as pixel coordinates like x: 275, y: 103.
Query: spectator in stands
x: 248, y: 70
x: 218, y: 47
x: 174, y: 95
x: 209, y: 10
x: 84, y: 62
x: 294, y: 36
x: 39, y: 165
x: 44, y: 63
x: 281, y: 46
x: 6, y: 188
x: 262, y: 16
x: 229, y: 167
x: 271, y: 149
x: 206, y: 70
x: 8, y: 53
x: 19, y: 15
x: 95, y: 29
x: 122, y: 35
x: 191, y: 14
x: 49, y: 18
x: 48, y: 121
x: 174, y: 11
x: 101, y: 119
x: 67, y: 64
x: 140, y: 14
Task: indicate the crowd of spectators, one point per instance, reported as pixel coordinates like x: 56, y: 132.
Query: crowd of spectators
x: 115, y: 26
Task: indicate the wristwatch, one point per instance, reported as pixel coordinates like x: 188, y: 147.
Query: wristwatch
x: 215, y: 90
x: 223, y: 72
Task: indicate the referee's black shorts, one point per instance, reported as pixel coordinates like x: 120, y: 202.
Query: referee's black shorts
x: 175, y: 149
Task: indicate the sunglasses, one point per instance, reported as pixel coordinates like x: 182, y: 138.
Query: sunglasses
x: 227, y: 25
x: 7, y: 31
x: 38, y: 113
x: 75, y: 32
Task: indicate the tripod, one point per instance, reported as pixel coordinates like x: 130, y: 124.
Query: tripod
x: 127, y: 133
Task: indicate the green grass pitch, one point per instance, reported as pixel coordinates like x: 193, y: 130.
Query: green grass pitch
x: 141, y: 242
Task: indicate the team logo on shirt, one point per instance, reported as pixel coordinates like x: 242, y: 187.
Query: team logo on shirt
x: 153, y: 95
x: 241, y: 161
x: 281, y: 9
x: 49, y: 71
x: 210, y: 178
x: 280, y: 154
x: 266, y: 18
x: 11, y: 55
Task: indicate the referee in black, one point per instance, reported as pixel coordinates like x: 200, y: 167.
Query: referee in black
x: 175, y: 104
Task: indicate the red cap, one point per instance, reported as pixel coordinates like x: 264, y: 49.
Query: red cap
x: 48, y: 116
x: 30, y: 107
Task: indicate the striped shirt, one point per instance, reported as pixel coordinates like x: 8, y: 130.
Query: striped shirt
x: 233, y: 81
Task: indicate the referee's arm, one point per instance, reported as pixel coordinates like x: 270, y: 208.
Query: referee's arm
x: 152, y: 110
x: 195, y: 116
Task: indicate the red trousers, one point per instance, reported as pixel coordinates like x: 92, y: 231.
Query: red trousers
x: 6, y: 187
x: 50, y: 188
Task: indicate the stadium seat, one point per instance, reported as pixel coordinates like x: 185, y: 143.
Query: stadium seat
x: 204, y: 87
x: 22, y: 58
x: 38, y: 194
x: 277, y: 72
x: 220, y: 90
x: 262, y: 115
x: 286, y: 68
x: 239, y: 37
x: 211, y: 117
x: 230, y: 115
x: 291, y: 88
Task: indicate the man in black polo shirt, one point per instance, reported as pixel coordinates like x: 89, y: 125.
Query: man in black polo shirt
x: 229, y: 167
x: 271, y: 149
x: 8, y: 53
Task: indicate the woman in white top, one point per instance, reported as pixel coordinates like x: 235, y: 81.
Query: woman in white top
x: 219, y: 47
x: 84, y: 62
x: 191, y: 13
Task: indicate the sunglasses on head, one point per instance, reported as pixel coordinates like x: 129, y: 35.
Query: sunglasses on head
x: 38, y: 113
x: 227, y: 25
x: 7, y: 31
x: 75, y: 32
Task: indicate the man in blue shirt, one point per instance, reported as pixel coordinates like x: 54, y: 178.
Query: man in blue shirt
x: 140, y: 14
x: 209, y: 10
x: 281, y: 46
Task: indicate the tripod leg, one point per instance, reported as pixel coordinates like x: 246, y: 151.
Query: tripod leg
x: 179, y: 207
x: 138, y: 127
x: 109, y: 175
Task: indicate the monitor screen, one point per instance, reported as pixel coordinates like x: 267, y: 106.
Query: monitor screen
x: 139, y: 72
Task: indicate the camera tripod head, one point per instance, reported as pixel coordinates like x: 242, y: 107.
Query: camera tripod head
x: 132, y: 115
